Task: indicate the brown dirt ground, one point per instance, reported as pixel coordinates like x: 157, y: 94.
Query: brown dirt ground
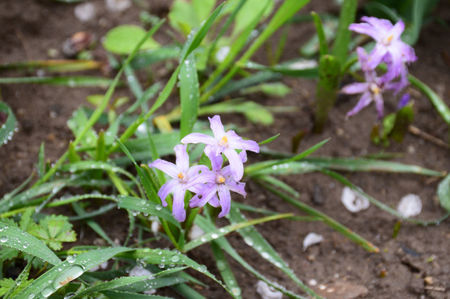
x: 398, y: 271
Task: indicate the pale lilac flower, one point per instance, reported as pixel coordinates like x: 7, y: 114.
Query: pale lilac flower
x: 371, y: 90
x: 183, y: 178
x: 389, y: 47
x: 226, y: 143
x: 217, y: 191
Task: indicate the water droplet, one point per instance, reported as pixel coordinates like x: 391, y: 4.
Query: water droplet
x: 158, y: 207
x: 47, y: 292
x: 3, y: 239
x: 175, y: 258
x: 248, y: 241
x: 70, y: 259
x: 265, y: 255
x: 214, y: 236
x: 67, y: 276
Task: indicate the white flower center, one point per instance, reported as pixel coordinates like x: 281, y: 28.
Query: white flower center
x: 374, y: 88
x: 181, y: 177
x: 223, y: 141
x: 388, y: 39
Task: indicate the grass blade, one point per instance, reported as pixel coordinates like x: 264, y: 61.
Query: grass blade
x: 323, y: 45
x: 189, y: 95
x: 444, y: 193
x: 70, y: 269
x: 341, y: 44
x: 225, y: 271
x: 206, y: 226
x: 327, y: 220
x: 13, y: 237
x: 110, y: 285
x: 57, y: 65
x: 73, y: 81
x: 370, y: 165
x: 437, y: 102
x: 208, y: 237
x: 255, y: 240
x: 7, y: 129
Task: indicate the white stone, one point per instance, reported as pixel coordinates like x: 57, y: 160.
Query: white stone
x: 312, y: 282
x: 117, y: 5
x: 195, y: 232
x: 311, y: 239
x: 267, y: 292
x: 85, y: 11
x: 353, y: 201
x: 410, y: 205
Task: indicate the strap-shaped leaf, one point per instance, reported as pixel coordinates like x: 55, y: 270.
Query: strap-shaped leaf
x: 13, y: 237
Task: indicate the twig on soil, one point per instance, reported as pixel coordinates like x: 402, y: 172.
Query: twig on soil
x: 428, y: 137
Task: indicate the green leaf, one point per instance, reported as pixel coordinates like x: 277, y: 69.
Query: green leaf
x: 13, y: 237
x: 255, y: 112
x: 276, y: 89
x: 64, y: 272
x: 208, y: 237
x: 326, y: 90
x: 110, y: 285
x: 437, y: 102
x: 9, y: 285
x: 341, y: 44
x: 323, y: 45
x: 208, y: 227
x: 124, y: 38
x: 145, y: 206
x: 7, y: 129
x: 189, y: 95
x: 443, y: 192
x: 185, y: 16
x: 255, y: 240
x: 72, y: 81
x: 248, y: 13
x: 54, y: 230
x: 225, y: 270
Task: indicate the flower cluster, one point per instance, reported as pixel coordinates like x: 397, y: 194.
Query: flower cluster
x: 213, y: 185
x: 389, y: 49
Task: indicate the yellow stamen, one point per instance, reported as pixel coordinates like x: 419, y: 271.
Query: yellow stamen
x: 181, y: 176
x: 220, y: 179
x: 223, y: 141
x: 390, y: 37
x: 375, y: 89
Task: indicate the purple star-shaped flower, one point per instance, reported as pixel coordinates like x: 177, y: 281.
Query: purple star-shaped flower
x: 217, y: 191
x: 371, y: 90
x: 226, y: 143
x: 389, y: 47
x: 183, y: 178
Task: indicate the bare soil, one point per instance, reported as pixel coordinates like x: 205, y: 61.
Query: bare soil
x: 415, y: 264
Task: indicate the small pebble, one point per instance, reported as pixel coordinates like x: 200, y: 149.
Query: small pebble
x: 117, y: 5
x: 410, y: 205
x: 85, y: 11
x: 312, y: 282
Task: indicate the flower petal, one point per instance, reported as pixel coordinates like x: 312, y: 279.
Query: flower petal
x: 198, y: 138
x: 379, y: 105
x: 182, y: 158
x: 199, y: 200
x: 363, y: 102
x: 216, y: 126
x: 355, y: 88
x: 165, y: 166
x: 366, y: 29
x: 214, y: 201
x: 237, y: 187
x: 178, y: 210
x: 225, y: 200
x: 376, y: 56
x: 216, y: 160
x: 168, y: 187
x: 236, y: 166
x: 397, y: 30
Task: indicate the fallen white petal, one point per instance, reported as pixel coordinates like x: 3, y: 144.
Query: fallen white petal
x: 267, y: 292
x: 141, y: 271
x: 410, y: 205
x: 195, y: 232
x: 85, y: 11
x: 311, y: 239
x: 117, y: 5
x: 155, y: 224
x: 353, y: 201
